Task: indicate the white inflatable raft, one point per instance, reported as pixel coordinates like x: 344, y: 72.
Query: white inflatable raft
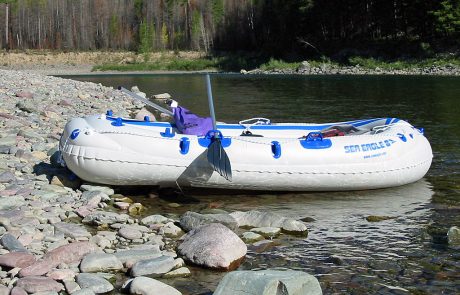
x: 369, y: 154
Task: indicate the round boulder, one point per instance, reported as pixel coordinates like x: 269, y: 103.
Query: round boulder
x: 213, y: 246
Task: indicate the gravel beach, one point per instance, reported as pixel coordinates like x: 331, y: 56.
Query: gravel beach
x: 57, y: 233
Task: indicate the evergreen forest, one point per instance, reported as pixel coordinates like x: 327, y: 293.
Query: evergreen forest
x: 278, y: 28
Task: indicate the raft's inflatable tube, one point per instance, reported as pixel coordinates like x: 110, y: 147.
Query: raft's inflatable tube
x: 370, y: 154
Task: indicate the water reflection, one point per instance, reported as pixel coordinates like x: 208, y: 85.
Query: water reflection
x: 347, y: 253
x: 342, y: 249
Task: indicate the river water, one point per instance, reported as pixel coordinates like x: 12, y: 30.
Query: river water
x: 407, y: 254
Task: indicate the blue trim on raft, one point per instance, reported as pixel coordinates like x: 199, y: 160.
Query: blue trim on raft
x: 184, y: 145
x: 356, y: 123
x: 276, y: 149
x: 315, y: 141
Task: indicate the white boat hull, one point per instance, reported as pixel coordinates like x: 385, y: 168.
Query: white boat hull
x: 141, y: 153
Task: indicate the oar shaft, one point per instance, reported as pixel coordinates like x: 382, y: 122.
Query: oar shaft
x: 147, y: 102
x: 210, y: 101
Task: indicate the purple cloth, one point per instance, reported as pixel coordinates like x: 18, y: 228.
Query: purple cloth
x: 189, y: 123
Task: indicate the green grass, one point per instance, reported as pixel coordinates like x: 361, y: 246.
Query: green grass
x: 235, y: 62
x: 275, y: 64
x: 163, y: 64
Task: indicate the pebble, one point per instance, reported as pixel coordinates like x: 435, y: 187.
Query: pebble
x: 153, y: 267
x: 72, y: 230
x: 93, y: 282
x: 130, y: 257
x: 191, y: 220
x: 149, y: 286
x: 39, y: 284
x: 4, y: 290
x: 181, y: 272
x: 84, y: 291
x: 267, y: 232
x: 103, y: 217
x: 268, y: 282
x: 256, y: 218
x: 104, y: 189
x: 129, y: 233
x: 100, y: 262
x: 18, y: 291
x: 251, y: 237
x: 17, y: 259
x: 171, y: 230
x: 153, y: 219
x: 12, y: 244
x: 71, y: 286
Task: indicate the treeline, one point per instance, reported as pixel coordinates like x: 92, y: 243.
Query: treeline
x: 273, y: 27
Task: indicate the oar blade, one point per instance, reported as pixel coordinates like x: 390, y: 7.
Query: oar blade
x: 219, y: 160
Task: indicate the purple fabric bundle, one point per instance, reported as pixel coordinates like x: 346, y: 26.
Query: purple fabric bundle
x: 189, y: 123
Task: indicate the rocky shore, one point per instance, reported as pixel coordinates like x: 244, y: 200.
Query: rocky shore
x: 82, y: 63
x: 58, y: 234
x: 306, y: 68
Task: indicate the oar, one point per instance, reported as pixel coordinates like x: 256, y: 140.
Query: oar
x: 216, y: 155
x: 147, y: 102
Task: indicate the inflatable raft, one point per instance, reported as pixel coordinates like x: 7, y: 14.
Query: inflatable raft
x: 355, y: 155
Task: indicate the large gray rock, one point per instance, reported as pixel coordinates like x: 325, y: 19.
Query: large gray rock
x: 130, y: 257
x: 11, y: 202
x: 85, y: 291
x: 12, y: 244
x: 91, y: 199
x: 4, y: 290
x: 191, y: 220
x: 17, y: 291
x: 129, y: 233
x: 143, y: 113
x: 72, y: 230
x: 213, y: 245
x: 91, y: 188
x: 153, y: 267
x: 171, y: 230
x: 148, y: 286
x: 39, y: 284
x: 154, y: 219
x: 256, y: 218
x: 70, y: 253
x: 268, y: 282
x: 7, y: 176
x: 17, y: 259
x: 94, y: 282
x: 100, y: 262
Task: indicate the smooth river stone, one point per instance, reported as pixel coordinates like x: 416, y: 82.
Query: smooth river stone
x: 148, y: 286
x: 94, y: 282
x: 36, y: 284
x: 100, y: 262
x: 153, y: 267
x: 214, y: 246
x: 17, y: 259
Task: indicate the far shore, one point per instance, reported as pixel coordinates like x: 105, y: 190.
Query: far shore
x: 184, y: 62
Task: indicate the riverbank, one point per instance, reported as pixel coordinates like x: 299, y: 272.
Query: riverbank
x: 58, y: 233
x: 93, y: 63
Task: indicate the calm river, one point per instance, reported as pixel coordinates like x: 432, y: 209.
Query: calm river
x: 408, y: 254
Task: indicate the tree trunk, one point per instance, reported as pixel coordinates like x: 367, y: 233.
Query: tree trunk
x: 6, y: 25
